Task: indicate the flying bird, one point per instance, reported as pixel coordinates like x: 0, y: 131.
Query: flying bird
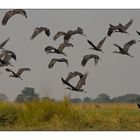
x: 50, y: 49
x: 67, y: 35
x: 5, y: 59
x: 73, y: 74
x: 111, y: 30
x: 79, y: 85
x: 122, y: 28
x: 98, y: 47
x: 119, y: 28
x: 13, y: 55
x: 138, y: 105
x: 9, y: 14
x: 19, y: 72
x: 126, y: 47
x: 88, y: 57
x: 39, y: 30
x: 54, y: 60
x: 4, y: 43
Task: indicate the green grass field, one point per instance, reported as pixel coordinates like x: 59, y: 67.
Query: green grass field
x: 63, y: 115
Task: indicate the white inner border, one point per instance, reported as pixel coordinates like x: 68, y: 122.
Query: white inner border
x: 79, y: 4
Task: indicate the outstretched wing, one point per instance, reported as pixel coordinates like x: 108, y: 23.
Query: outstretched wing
x: 9, y: 70
x: 138, y: 32
x: 68, y: 84
x: 86, y: 58
x: 63, y: 60
x: 128, y: 45
x: 3, y: 43
x: 35, y: 33
x: 58, y: 35
x: 52, y: 62
x: 9, y: 14
x: 11, y: 53
x: 101, y: 42
x: 127, y: 25
x: 91, y: 43
x: 61, y: 47
x: 73, y: 74
x: 21, y: 70
x: 111, y: 30
x: 48, y: 49
x: 119, y: 47
x: 6, y: 17
x: 81, y: 82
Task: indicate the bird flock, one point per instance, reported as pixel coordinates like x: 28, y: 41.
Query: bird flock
x: 7, y: 55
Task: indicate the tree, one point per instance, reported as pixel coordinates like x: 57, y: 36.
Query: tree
x: 28, y: 94
x: 75, y: 100
x: 103, y: 97
x: 86, y: 100
x: 3, y: 97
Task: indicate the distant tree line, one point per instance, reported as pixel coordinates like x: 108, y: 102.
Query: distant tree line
x: 28, y: 94
x: 105, y: 98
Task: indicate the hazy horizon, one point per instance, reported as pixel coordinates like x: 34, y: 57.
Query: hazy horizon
x: 115, y: 75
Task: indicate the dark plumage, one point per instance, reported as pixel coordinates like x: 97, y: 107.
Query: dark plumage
x: 13, y: 55
x: 126, y: 47
x: 98, y: 47
x: 9, y: 14
x: 4, y: 43
x: 67, y: 35
x: 54, y: 60
x: 79, y: 85
x: 138, y: 32
x: 88, y: 57
x: 119, y: 28
x: 111, y: 30
x: 50, y: 49
x: 138, y: 105
x: 122, y: 28
x: 19, y: 72
x: 73, y: 74
x: 39, y: 30
x: 5, y: 58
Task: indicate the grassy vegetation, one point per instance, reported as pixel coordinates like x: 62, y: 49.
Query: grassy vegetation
x: 63, y: 115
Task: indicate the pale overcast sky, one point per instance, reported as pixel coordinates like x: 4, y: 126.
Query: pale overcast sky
x: 115, y: 74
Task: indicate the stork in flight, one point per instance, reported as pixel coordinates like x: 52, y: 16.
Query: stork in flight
x: 73, y: 74
x: 119, y: 28
x: 67, y: 35
x: 88, y: 57
x: 125, y: 48
x: 79, y: 85
x: 54, y: 60
x: 11, y: 13
x: 38, y: 30
x: 98, y: 47
x: 19, y: 72
x: 50, y: 49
